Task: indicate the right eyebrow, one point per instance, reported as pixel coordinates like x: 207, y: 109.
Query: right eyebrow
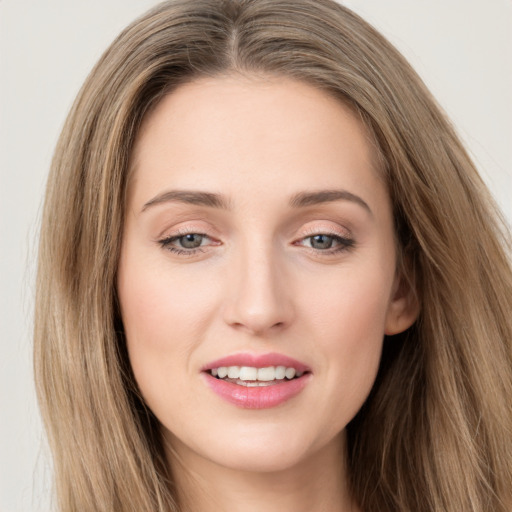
x: 190, y: 197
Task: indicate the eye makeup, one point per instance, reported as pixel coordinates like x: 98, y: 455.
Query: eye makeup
x: 326, y: 243
x: 187, y: 243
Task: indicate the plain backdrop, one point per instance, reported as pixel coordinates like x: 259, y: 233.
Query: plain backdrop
x: 461, y: 48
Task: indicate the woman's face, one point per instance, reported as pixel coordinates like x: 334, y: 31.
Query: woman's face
x: 258, y: 235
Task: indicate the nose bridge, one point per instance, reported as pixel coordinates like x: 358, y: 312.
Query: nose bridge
x: 258, y: 300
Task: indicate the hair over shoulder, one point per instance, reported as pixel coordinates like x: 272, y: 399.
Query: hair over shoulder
x: 435, y: 433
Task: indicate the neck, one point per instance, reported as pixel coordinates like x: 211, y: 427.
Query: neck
x: 318, y: 483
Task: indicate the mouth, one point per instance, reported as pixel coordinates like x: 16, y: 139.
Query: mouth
x: 251, y: 376
x: 256, y: 382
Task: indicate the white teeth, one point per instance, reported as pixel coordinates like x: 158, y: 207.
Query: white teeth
x: 233, y: 372
x: 266, y: 374
x: 280, y: 372
x: 250, y: 373
x: 289, y: 373
x: 222, y: 372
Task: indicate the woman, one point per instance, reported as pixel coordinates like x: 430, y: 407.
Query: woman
x: 270, y: 276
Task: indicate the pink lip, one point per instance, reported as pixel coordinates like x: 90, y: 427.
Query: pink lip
x: 256, y: 397
x: 261, y: 397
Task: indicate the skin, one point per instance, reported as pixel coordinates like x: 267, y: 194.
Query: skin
x: 258, y: 283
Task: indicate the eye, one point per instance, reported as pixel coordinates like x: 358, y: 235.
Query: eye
x: 328, y: 243
x: 321, y: 241
x: 187, y: 243
x: 191, y: 240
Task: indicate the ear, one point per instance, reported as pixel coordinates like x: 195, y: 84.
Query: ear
x: 404, y: 307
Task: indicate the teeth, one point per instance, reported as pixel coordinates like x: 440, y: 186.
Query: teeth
x: 289, y: 373
x: 280, y: 372
x: 233, y: 372
x: 250, y: 373
x: 266, y: 374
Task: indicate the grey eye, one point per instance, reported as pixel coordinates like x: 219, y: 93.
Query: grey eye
x: 321, y: 241
x: 190, y: 241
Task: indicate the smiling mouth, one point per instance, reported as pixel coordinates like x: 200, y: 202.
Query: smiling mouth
x: 256, y: 381
x: 253, y: 387
x: 251, y: 376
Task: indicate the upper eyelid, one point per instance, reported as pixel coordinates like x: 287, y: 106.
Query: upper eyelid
x: 183, y: 231
x: 312, y: 231
x: 305, y: 229
x: 307, y: 234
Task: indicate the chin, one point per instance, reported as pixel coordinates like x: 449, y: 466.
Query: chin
x: 258, y: 459
x: 267, y: 449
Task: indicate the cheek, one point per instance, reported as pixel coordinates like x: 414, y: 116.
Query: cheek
x: 351, y: 309
x: 158, y: 305
x: 349, y: 330
x: 164, y: 318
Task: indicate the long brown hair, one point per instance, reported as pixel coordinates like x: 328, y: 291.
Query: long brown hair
x: 436, y: 432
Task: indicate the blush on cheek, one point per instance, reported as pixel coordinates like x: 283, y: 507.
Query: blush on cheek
x: 349, y: 323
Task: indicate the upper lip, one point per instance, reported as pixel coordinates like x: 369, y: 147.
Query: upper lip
x: 257, y: 361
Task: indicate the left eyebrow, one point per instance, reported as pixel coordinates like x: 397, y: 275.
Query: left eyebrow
x: 302, y: 199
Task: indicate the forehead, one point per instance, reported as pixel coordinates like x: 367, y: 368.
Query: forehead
x: 232, y: 130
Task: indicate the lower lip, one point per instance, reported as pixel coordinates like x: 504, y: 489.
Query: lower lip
x: 258, y: 397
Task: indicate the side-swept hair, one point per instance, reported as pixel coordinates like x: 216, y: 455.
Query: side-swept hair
x: 436, y: 432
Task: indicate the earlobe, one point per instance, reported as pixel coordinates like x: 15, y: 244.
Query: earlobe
x: 403, y: 309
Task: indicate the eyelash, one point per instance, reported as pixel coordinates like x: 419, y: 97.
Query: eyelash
x: 344, y: 243
x: 166, y: 243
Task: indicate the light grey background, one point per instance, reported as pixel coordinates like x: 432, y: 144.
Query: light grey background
x: 461, y: 48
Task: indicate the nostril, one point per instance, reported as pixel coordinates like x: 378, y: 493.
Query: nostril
x: 258, y: 325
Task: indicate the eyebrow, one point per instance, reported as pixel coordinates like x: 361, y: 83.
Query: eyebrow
x: 212, y: 200
x: 303, y: 199
x: 189, y: 197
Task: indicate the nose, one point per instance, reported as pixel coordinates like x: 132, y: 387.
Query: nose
x: 259, y: 299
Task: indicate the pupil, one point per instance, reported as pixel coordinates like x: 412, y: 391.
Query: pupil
x: 321, y: 242
x: 191, y: 241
